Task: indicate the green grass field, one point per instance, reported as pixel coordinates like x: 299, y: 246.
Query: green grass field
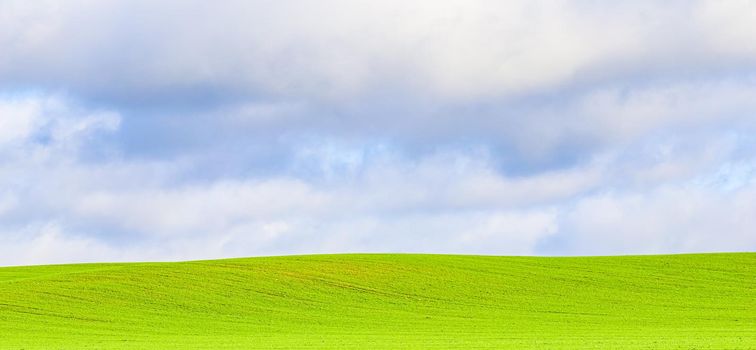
x: 705, y: 301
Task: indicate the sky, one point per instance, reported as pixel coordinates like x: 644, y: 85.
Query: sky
x: 174, y: 130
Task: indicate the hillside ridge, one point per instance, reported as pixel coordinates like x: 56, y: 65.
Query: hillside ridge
x: 411, y: 301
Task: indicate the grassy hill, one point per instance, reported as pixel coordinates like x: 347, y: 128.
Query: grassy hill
x: 705, y: 301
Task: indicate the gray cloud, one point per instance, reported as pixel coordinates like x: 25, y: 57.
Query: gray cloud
x: 572, y: 76
x: 336, y: 49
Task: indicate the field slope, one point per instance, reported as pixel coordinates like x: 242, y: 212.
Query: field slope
x: 705, y: 301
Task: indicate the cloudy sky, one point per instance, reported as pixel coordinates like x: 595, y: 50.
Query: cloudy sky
x: 171, y: 130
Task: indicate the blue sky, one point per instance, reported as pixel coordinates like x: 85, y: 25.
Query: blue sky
x: 142, y: 130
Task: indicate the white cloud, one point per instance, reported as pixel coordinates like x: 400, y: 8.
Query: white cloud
x: 200, y: 209
x: 333, y: 49
x: 49, y: 118
x: 669, y: 219
x: 18, y: 126
x: 42, y: 243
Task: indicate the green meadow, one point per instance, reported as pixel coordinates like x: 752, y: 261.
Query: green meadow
x: 392, y: 301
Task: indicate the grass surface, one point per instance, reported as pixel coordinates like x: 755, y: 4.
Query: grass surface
x: 705, y: 301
